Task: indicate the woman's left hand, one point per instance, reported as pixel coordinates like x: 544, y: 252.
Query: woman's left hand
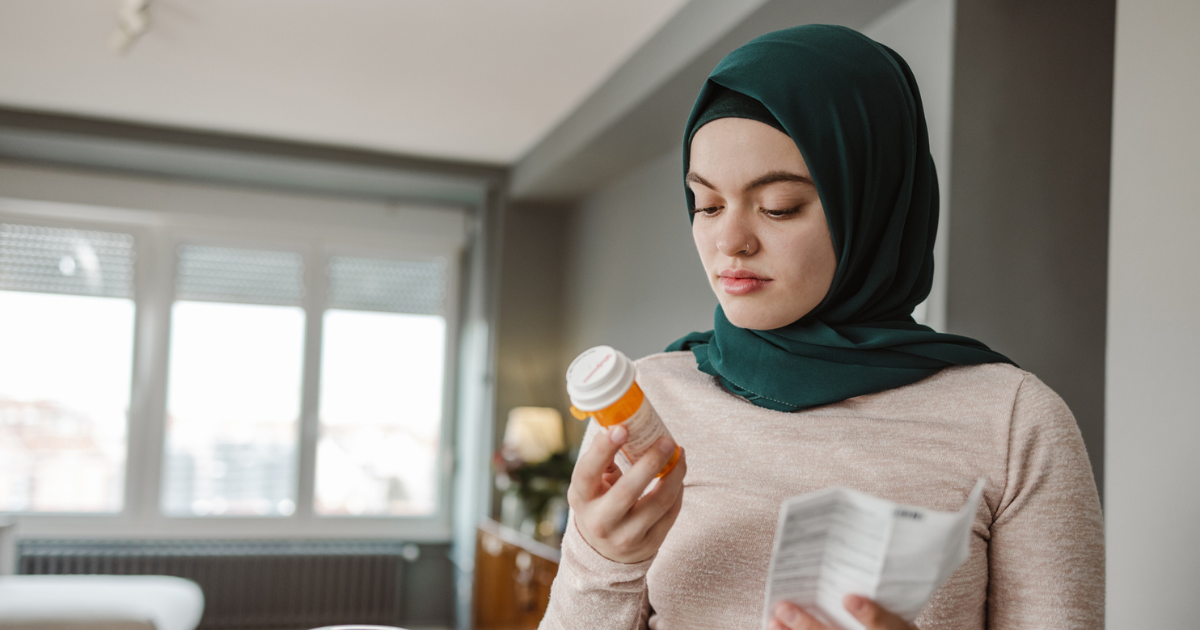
x: 789, y: 616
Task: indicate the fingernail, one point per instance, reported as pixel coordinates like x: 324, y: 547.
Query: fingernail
x: 666, y: 445
x: 618, y: 434
x: 856, y: 604
x: 789, y: 615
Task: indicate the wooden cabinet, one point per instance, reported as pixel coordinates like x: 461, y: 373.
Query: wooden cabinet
x: 513, y: 574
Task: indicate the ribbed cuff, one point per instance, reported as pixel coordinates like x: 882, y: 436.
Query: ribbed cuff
x: 588, y: 570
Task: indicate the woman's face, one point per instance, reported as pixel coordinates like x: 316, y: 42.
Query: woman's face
x: 759, y: 224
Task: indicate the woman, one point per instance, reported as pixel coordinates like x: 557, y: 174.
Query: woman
x: 814, y: 208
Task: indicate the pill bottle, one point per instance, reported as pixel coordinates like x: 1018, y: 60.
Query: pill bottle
x: 602, y: 386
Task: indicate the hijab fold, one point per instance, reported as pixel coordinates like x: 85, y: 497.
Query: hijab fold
x: 852, y: 107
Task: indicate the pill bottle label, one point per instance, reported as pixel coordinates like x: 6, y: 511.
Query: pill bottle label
x: 623, y: 462
x: 645, y: 429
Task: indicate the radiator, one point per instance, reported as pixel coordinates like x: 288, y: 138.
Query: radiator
x: 261, y: 585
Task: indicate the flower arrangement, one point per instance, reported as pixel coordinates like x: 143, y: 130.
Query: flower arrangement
x: 533, y: 471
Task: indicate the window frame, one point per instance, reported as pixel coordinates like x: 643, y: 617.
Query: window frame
x: 157, y: 237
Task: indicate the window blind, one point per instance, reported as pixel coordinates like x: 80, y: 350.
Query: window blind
x: 395, y: 286
x: 57, y: 260
x: 250, y: 276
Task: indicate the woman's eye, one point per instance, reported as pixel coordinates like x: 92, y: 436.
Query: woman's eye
x: 781, y: 212
x: 706, y: 211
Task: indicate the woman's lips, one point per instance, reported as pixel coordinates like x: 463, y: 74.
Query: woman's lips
x: 741, y: 282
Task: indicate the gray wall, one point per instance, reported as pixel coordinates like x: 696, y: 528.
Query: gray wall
x: 618, y: 269
x: 1029, y: 235
x: 530, y: 364
x: 1153, y: 425
x: 636, y: 282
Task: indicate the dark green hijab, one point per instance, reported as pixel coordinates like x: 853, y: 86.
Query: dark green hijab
x: 852, y: 107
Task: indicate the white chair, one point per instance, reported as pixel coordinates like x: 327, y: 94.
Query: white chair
x: 99, y: 601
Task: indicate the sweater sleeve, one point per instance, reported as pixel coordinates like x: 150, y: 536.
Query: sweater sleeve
x: 1046, y: 553
x: 591, y: 591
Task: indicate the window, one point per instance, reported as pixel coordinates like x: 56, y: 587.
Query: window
x: 66, y: 349
x: 233, y: 394
x: 384, y: 343
x: 295, y: 379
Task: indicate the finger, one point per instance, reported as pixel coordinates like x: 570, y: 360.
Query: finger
x: 657, y: 532
x: 593, y: 464
x: 611, y: 474
x: 874, y: 616
x: 629, y: 488
x: 792, y: 617
x: 654, y: 504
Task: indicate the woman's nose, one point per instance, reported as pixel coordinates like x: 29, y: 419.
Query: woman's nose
x: 736, y: 238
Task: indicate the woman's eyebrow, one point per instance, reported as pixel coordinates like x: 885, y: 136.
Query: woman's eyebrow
x: 779, y: 176
x: 763, y: 180
x: 693, y: 177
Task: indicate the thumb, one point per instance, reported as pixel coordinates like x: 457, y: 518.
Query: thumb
x: 874, y: 616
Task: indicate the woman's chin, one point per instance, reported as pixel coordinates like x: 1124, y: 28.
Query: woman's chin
x: 756, y: 313
x: 746, y: 316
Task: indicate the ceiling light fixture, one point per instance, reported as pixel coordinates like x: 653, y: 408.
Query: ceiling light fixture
x: 133, y: 20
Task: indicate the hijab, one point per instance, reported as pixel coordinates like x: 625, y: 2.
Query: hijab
x: 852, y: 107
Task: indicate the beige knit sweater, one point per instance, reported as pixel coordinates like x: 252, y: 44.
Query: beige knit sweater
x: 1037, y: 553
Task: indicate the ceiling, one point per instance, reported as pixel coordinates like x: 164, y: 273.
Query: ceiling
x: 473, y: 80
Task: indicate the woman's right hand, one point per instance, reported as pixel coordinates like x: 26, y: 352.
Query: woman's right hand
x: 611, y: 512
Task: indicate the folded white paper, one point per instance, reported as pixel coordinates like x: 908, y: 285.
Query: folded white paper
x: 836, y: 541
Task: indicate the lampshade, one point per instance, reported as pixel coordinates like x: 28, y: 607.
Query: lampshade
x: 534, y: 433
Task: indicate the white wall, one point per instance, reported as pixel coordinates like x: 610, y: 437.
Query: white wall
x: 1153, y: 362
x: 635, y: 280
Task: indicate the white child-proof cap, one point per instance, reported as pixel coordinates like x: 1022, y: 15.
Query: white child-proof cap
x: 598, y: 378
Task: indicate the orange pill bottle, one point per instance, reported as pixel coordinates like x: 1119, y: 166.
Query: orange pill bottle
x: 602, y: 386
